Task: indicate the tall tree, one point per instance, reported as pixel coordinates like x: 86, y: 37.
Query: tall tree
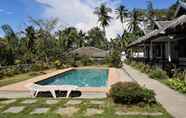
x: 69, y: 38
x: 30, y: 34
x: 134, y: 22
x: 45, y: 24
x: 150, y: 13
x: 121, y: 13
x: 12, y: 44
x: 10, y: 36
x: 172, y: 10
x: 103, y: 15
x: 44, y: 34
x: 96, y: 38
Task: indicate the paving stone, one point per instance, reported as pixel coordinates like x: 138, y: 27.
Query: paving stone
x: 96, y: 102
x: 52, y: 102
x: 15, y: 109
x: 29, y: 101
x: 92, y: 111
x: 8, y: 101
x: 39, y: 110
x: 68, y: 111
x: 73, y: 102
x: 139, y: 113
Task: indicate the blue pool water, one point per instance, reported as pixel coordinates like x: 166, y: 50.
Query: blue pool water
x: 79, y: 77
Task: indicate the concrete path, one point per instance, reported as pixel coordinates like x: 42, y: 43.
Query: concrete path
x: 172, y: 101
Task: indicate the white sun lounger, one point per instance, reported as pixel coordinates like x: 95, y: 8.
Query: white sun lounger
x: 35, y: 89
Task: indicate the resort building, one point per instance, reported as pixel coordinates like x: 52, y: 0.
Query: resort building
x: 166, y: 43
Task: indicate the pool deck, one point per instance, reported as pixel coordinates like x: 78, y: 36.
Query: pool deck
x: 113, y: 77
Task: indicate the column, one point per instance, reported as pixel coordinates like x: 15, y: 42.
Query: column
x: 151, y: 51
x: 169, y: 50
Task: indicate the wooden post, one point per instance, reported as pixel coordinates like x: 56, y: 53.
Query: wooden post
x: 169, y: 48
x: 169, y: 52
x: 151, y: 51
x: 145, y: 51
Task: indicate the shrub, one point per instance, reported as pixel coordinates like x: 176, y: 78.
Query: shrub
x: 1, y: 74
x: 177, y: 84
x: 17, y: 62
x: 85, y: 60
x: 140, y: 66
x: 9, y: 72
x: 158, y: 74
x: 114, y: 60
x: 131, y: 93
x: 127, y: 61
x: 57, y: 64
x: 181, y: 75
x: 147, y: 69
x: 133, y: 63
x: 169, y: 69
x: 36, y: 67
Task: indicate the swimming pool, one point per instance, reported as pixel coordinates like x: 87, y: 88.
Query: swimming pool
x: 79, y: 77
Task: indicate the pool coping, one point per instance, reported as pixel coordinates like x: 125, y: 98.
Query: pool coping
x: 113, y: 78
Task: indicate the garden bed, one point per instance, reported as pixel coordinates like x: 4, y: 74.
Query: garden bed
x: 177, y: 82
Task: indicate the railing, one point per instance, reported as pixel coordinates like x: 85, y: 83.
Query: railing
x: 161, y: 62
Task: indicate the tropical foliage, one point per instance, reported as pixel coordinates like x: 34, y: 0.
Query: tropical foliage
x: 122, y: 13
x: 43, y: 45
x: 103, y: 15
x: 177, y: 84
x: 45, y: 41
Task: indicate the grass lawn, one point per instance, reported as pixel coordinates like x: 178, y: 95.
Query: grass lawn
x: 17, y: 78
x: 108, y: 107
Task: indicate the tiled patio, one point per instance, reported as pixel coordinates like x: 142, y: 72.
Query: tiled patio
x: 67, y: 109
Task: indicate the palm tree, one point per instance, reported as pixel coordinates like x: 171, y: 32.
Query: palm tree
x: 30, y: 34
x: 10, y: 36
x: 134, y: 22
x: 150, y: 13
x: 121, y: 12
x: 103, y: 15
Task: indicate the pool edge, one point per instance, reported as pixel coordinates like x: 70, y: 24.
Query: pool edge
x: 20, y: 86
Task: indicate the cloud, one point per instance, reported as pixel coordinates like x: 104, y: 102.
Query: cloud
x: 5, y: 12
x: 79, y: 13
x: 9, y: 12
x: 1, y: 10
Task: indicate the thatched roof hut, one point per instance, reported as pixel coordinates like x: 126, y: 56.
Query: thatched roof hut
x: 175, y: 26
x: 162, y: 24
x: 90, y: 52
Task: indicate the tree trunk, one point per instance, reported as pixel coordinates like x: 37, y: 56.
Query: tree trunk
x: 104, y: 30
x: 123, y: 28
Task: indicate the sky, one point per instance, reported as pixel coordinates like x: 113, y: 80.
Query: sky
x: 77, y: 13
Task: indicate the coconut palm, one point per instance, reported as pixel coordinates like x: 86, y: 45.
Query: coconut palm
x: 122, y: 13
x: 134, y: 22
x: 30, y: 34
x: 150, y: 13
x: 10, y: 35
x: 103, y: 15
